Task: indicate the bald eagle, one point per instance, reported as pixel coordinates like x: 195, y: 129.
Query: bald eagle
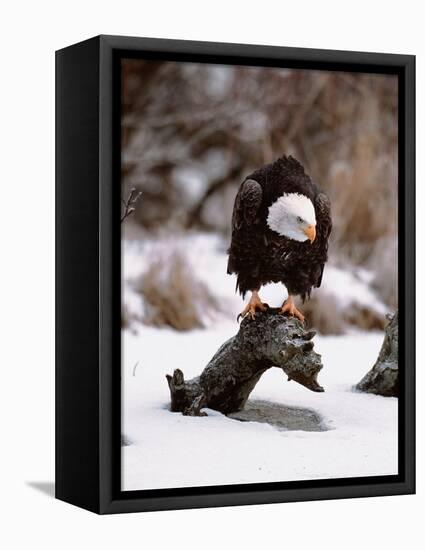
x: 280, y: 230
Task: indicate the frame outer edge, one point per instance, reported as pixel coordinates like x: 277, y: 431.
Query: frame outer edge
x: 77, y: 277
x: 410, y: 280
x: 106, y: 227
x: 166, y: 45
x: 108, y: 503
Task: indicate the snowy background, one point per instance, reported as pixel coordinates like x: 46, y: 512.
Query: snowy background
x: 191, y: 134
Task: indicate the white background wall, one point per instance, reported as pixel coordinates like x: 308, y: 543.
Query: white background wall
x: 29, y: 34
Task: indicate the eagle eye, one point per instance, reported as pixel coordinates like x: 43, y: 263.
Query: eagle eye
x: 299, y: 219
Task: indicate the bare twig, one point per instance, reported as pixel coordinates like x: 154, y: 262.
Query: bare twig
x: 129, y: 204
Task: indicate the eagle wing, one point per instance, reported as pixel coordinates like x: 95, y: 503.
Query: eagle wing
x: 247, y: 203
x: 322, y: 207
x: 243, y: 259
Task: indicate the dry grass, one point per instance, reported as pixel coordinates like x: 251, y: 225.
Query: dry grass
x: 364, y: 318
x: 383, y: 264
x: 323, y: 314
x: 363, y: 203
x: 125, y: 317
x: 360, y: 173
x: 173, y: 295
x: 129, y: 319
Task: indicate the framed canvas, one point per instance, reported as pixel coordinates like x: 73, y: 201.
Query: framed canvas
x: 184, y: 169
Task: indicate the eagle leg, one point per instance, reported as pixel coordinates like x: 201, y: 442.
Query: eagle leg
x: 288, y: 307
x: 253, y: 305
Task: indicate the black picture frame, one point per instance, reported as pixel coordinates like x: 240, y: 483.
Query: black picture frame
x: 88, y: 435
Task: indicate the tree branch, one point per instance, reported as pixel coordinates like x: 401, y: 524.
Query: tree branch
x: 129, y: 204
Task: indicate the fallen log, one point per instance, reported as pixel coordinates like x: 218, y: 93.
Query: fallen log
x: 270, y: 340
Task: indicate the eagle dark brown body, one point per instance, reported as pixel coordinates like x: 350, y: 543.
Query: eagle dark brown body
x: 258, y: 255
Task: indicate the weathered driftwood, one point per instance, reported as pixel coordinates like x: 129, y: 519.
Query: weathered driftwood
x: 271, y: 340
x: 382, y: 379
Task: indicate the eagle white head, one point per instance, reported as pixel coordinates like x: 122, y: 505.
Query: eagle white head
x: 293, y: 216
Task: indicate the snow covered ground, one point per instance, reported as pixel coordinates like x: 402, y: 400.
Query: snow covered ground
x: 169, y: 450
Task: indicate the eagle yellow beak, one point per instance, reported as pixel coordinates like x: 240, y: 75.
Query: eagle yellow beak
x: 310, y: 231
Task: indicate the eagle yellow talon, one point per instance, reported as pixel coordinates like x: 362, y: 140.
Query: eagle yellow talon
x: 254, y: 305
x: 288, y: 307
